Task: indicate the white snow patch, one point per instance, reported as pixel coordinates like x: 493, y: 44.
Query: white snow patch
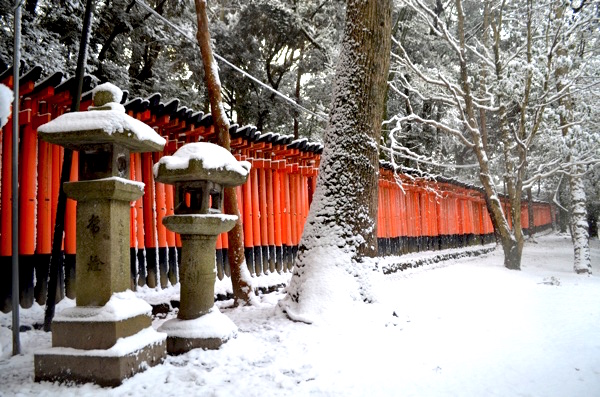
x: 471, y: 328
x: 158, y: 295
x: 121, y: 306
x: 123, y: 347
x: 329, y: 294
x: 6, y: 100
x: 111, y: 121
x: 213, y: 157
x: 140, y: 185
x: 214, y: 324
x: 222, y: 217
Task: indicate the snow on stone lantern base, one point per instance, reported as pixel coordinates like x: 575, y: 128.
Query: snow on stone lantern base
x: 200, y: 172
x: 108, y: 336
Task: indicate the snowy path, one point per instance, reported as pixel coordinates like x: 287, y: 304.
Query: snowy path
x: 466, y: 328
x: 490, y: 331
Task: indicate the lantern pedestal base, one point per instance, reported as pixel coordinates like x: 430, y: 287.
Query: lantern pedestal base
x: 102, y: 344
x: 207, y: 332
x: 103, y: 367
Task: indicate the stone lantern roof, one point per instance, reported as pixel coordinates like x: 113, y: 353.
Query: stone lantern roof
x: 105, y: 122
x: 202, y: 161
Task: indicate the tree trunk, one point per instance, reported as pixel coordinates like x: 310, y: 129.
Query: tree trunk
x: 240, y: 277
x: 530, y: 219
x: 342, y: 224
x: 512, y: 246
x: 579, y: 224
x: 299, y: 74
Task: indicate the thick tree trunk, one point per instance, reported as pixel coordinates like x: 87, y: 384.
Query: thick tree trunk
x: 341, y: 227
x: 511, y: 247
x: 240, y: 278
x: 579, y: 225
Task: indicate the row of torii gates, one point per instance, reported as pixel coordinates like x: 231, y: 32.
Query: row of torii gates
x: 414, y: 213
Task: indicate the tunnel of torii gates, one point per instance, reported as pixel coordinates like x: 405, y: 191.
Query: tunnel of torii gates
x: 414, y: 215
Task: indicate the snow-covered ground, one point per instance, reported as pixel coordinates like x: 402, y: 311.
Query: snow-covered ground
x: 466, y: 328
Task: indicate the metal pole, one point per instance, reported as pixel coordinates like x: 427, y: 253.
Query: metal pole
x: 15, y: 180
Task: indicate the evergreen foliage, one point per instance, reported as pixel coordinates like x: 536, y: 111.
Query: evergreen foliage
x: 287, y: 44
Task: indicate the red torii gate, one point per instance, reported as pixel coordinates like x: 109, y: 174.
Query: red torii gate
x: 415, y: 214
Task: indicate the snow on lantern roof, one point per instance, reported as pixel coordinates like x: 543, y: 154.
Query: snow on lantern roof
x: 202, y: 161
x: 105, y: 122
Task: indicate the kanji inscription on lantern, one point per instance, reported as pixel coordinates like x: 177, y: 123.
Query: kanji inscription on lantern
x: 104, y: 137
x: 94, y: 224
x: 94, y: 264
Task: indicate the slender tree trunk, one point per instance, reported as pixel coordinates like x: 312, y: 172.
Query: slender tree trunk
x: 563, y: 214
x: 299, y: 74
x: 483, y: 73
x: 342, y: 224
x: 581, y: 244
x: 240, y: 278
x: 519, y: 169
x: 530, y: 214
x: 510, y: 245
x: 579, y: 224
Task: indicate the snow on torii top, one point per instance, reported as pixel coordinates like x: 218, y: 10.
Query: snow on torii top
x: 202, y: 161
x: 105, y: 122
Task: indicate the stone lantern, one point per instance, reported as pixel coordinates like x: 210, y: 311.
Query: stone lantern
x: 108, y: 336
x: 200, y: 172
